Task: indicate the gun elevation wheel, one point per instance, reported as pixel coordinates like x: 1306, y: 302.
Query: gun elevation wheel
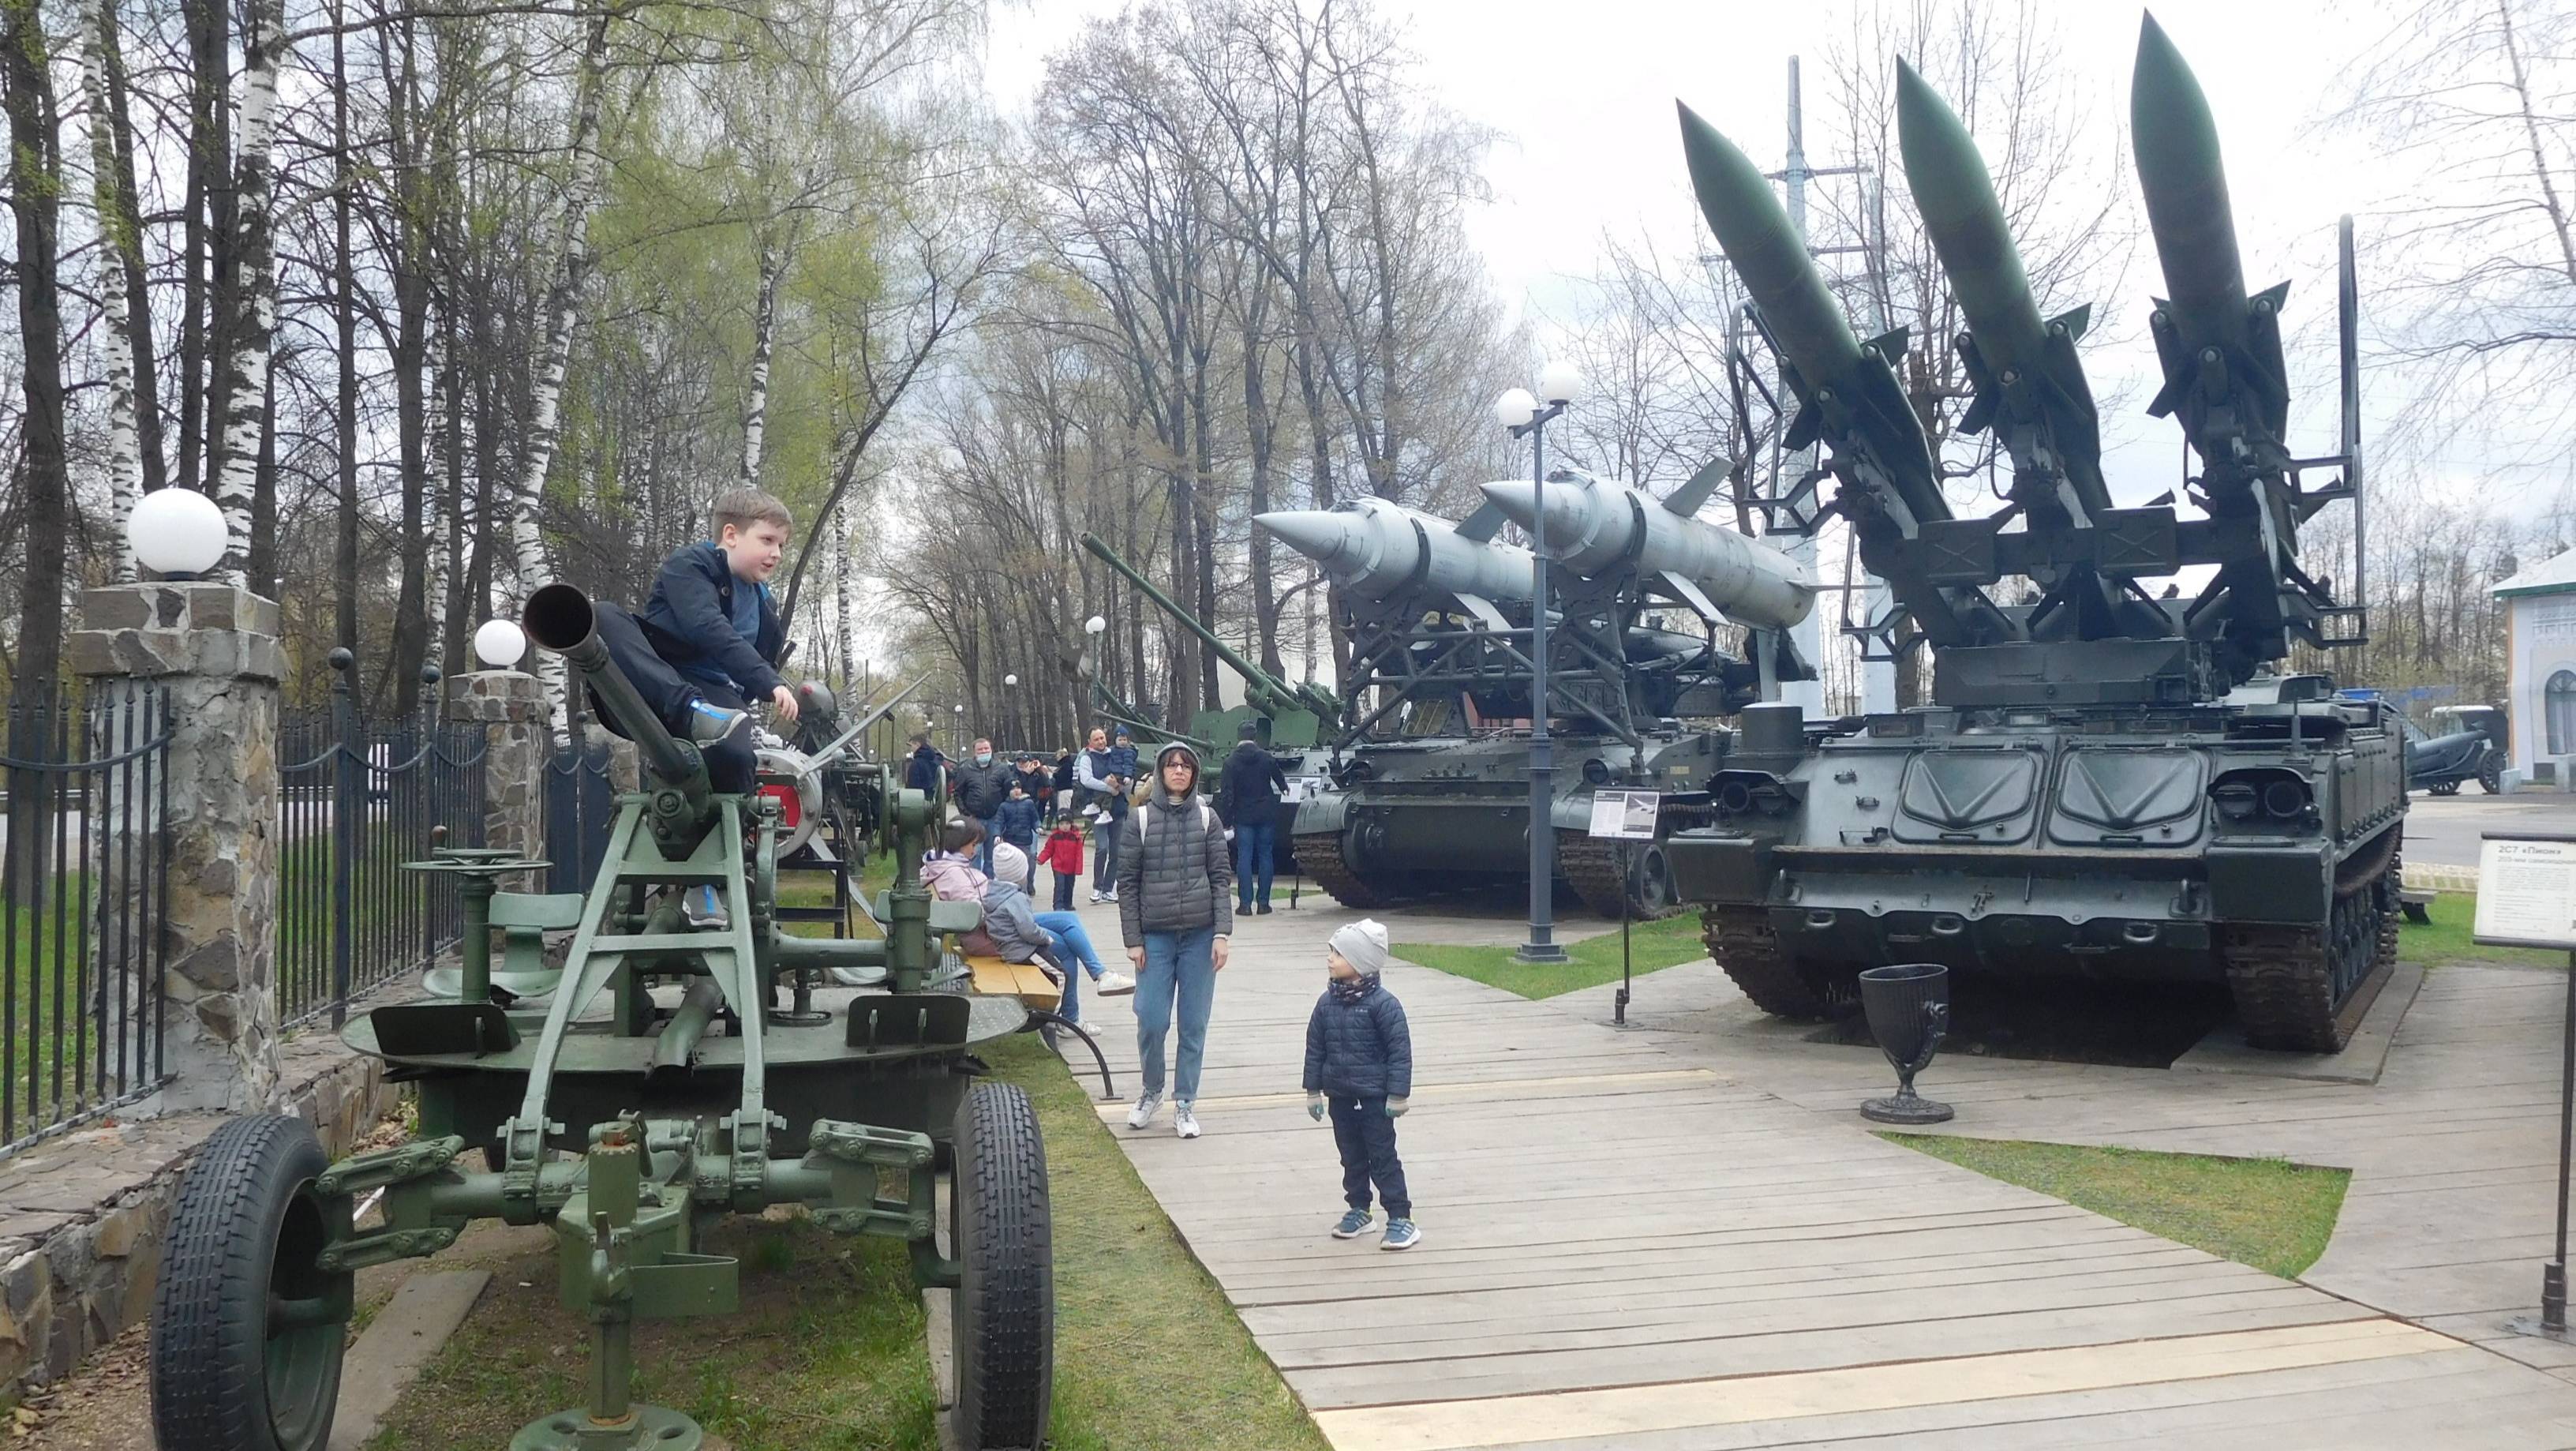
x: 1002, y: 1314
x: 247, y: 1329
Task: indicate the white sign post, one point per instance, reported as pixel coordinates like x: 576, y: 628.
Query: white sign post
x: 1624, y: 816
x: 2527, y: 898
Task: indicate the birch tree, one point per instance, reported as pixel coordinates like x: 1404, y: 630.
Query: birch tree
x: 253, y: 324
x: 117, y: 246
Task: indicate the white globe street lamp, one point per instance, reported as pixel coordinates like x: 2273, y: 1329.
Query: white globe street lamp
x: 176, y: 533
x: 1010, y: 680
x: 1515, y: 408
x: 1094, y: 625
x: 1560, y: 382
x: 500, y: 644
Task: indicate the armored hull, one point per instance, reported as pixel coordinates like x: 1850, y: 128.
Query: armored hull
x: 1405, y: 820
x: 2254, y: 844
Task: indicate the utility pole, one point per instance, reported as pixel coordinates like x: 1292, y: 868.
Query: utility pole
x: 1808, y: 635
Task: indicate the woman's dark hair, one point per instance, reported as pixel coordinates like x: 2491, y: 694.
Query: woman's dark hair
x: 960, y: 835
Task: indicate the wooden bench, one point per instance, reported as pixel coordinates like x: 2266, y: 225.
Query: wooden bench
x: 1026, y: 981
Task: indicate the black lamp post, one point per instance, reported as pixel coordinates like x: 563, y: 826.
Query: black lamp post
x: 1517, y: 411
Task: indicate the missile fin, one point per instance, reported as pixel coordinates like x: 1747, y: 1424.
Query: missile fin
x: 1804, y: 429
x: 2270, y: 298
x: 1982, y: 409
x: 1485, y: 613
x: 1479, y: 527
x: 1693, y: 596
x: 2073, y: 321
x: 1694, y: 495
x: 2170, y: 396
x: 1890, y: 344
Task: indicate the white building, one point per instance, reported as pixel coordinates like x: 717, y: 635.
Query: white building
x: 2540, y: 666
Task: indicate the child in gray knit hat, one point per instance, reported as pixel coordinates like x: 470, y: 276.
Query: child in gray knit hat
x: 1359, y: 1068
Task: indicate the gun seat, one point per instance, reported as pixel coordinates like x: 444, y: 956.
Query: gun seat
x: 523, y: 920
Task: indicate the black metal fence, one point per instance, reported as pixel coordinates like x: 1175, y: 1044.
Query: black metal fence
x: 361, y: 798
x: 581, y: 801
x: 84, y: 894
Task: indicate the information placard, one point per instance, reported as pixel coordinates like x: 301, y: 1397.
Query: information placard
x: 2527, y: 892
x: 1625, y: 815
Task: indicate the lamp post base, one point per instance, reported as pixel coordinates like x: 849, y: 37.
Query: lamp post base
x: 1539, y: 953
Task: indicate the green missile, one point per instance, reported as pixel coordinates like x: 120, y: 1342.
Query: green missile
x: 2025, y: 371
x: 2214, y: 340
x: 1756, y: 236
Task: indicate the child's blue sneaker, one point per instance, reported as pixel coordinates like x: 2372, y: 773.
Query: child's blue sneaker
x: 710, y: 724
x: 700, y: 908
x: 1400, y: 1234
x: 1354, y: 1224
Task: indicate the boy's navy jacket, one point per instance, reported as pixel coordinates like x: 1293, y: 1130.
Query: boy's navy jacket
x: 1018, y: 821
x: 923, y: 772
x: 1359, y: 1047
x: 690, y: 621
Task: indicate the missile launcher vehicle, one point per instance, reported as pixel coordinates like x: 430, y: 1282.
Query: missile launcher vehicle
x: 2107, y: 784
x: 1426, y: 785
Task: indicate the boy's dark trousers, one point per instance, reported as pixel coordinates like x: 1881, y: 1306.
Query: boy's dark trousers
x: 1063, y: 892
x: 730, y: 764
x: 1366, y: 1137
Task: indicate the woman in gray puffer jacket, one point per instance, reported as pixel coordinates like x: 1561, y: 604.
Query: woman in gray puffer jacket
x: 1176, y: 911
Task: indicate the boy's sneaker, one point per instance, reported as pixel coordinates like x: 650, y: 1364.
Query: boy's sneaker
x: 1114, y: 984
x: 1110, y: 896
x: 699, y: 908
x: 1400, y: 1234
x: 1142, y: 1115
x: 1263, y: 910
x: 1184, y: 1122
x: 1354, y: 1224
x: 709, y: 724
x: 1096, y: 899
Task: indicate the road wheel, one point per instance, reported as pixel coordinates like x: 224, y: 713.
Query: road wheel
x: 247, y: 1329
x: 1002, y: 1313
x: 2491, y: 773
x: 2446, y: 788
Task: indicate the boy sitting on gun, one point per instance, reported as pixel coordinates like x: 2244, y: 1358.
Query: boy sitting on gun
x: 708, y: 644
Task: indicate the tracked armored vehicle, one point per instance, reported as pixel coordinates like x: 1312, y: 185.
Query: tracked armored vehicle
x: 2108, y: 784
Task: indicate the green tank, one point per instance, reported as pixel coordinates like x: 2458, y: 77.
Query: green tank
x: 2111, y: 783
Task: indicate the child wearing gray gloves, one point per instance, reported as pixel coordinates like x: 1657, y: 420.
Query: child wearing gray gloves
x: 1359, y: 1068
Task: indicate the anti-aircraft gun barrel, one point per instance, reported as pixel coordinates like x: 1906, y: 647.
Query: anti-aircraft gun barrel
x: 561, y: 618
x: 1594, y: 524
x: 1271, y: 695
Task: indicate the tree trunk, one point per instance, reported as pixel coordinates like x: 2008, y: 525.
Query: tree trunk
x: 35, y: 176
x: 203, y: 306
x: 264, y: 570
x: 415, y: 621
x: 116, y: 235
x: 545, y: 420
x: 755, y: 408
x: 138, y: 293
x: 344, y: 310
x: 254, y: 315
x: 1260, y: 430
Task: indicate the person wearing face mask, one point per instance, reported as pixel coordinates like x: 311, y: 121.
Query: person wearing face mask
x: 981, y: 786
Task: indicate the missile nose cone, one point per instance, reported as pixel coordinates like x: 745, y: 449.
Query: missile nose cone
x: 1732, y: 194
x: 1318, y: 534
x: 1513, y: 497
x: 2175, y: 140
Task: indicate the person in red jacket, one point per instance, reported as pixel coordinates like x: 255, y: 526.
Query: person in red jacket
x: 1062, y: 854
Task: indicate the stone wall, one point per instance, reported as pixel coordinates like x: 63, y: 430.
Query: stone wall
x: 518, y: 744
x: 82, y: 1217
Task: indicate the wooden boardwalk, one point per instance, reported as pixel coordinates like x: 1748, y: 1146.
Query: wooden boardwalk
x: 1633, y: 1248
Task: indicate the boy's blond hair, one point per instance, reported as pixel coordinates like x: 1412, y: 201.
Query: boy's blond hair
x: 742, y: 508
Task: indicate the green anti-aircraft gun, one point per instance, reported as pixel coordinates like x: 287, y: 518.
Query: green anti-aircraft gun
x: 632, y: 1132
x: 2110, y: 784
x: 1288, y: 718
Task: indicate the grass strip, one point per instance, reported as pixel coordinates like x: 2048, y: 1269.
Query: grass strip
x: 1590, y: 962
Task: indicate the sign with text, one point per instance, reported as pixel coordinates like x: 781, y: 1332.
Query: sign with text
x: 2527, y: 892
x: 1625, y: 815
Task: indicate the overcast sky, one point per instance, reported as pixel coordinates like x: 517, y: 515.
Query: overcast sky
x: 1581, y: 96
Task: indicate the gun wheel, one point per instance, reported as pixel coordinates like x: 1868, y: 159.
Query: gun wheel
x: 247, y: 1328
x: 1002, y: 1314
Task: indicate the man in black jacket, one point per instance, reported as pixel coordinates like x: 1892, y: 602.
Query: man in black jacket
x: 921, y: 767
x: 982, y: 785
x: 1248, y: 800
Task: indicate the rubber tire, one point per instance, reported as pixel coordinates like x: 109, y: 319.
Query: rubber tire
x: 248, y: 1189
x: 2446, y: 788
x: 1002, y: 1313
x: 2491, y: 773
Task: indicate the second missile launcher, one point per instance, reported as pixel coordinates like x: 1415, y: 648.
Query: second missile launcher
x: 2107, y: 784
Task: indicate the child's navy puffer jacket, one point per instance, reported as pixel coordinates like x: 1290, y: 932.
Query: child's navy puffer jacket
x: 1359, y: 1047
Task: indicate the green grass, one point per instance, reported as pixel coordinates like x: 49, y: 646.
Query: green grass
x: 828, y: 1353
x: 2446, y: 938
x: 1591, y: 962
x: 2268, y: 1213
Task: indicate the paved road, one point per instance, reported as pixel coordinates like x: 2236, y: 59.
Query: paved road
x: 2445, y: 829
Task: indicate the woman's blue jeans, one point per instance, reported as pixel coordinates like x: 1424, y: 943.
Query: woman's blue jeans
x: 1178, y: 966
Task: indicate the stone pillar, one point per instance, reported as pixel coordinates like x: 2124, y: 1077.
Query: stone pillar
x: 213, y: 648
x: 518, y: 746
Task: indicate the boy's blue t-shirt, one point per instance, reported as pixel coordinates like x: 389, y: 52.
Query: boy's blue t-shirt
x: 745, y: 618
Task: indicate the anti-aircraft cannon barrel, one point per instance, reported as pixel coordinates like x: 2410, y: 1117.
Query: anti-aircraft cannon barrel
x: 1593, y: 524
x: 562, y: 619
x: 1272, y: 695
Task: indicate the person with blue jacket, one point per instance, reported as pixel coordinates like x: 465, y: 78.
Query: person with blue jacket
x: 1359, y: 1069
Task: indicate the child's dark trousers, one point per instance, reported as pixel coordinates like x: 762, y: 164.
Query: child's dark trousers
x: 1366, y: 1137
